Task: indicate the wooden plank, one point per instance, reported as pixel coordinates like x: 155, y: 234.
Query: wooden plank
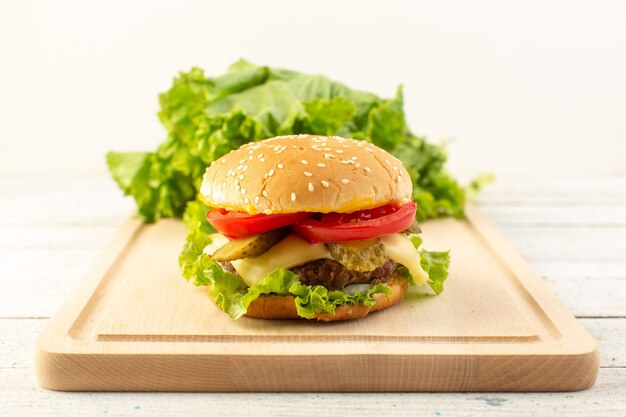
x: 17, y: 340
x: 600, y: 244
x: 55, y: 237
x: 148, y: 310
x: 19, y: 394
x: 552, y: 215
x: 603, y: 297
x: 529, y: 190
x: 611, y: 337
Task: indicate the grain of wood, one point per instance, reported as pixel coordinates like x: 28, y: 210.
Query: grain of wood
x: 606, y: 398
x: 611, y: 337
x: 558, y: 191
x: 611, y: 291
x: 550, y: 215
x: 600, y: 244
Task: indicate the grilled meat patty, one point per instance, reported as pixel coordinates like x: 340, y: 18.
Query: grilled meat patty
x: 333, y: 275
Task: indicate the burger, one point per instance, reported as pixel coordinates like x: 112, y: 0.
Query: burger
x: 310, y: 227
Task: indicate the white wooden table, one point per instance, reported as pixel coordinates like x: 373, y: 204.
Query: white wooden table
x: 571, y: 230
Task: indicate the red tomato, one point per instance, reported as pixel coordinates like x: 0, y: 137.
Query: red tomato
x: 238, y: 224
x: 360, y: 225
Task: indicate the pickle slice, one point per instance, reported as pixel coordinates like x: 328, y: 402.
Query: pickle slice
x: 359, y: 255
x: 249, y: 247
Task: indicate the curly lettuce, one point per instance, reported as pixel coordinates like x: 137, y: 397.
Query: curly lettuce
x: 436, y: 264
x: 206, y: 117
x: 231, y: 294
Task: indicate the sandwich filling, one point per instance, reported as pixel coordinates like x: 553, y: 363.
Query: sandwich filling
x: 320, y: 276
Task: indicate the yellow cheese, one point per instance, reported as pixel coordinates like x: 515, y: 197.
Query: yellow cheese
x: 294, y: 250
x: 400, y: 249
x: 289, y: 252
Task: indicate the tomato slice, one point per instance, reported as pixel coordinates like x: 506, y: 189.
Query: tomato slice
x: 360, y: 225
x: 238, y: 224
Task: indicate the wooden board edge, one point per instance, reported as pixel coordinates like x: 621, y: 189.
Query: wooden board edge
x: 371, y: 373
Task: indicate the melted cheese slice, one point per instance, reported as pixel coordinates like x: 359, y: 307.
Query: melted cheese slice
x: 289, y: 252
x: 400, y: 249
x: 294, y: 250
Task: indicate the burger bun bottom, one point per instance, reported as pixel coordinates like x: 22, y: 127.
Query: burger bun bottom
x: 272, y: 306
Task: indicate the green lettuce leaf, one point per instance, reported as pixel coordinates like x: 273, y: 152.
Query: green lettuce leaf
x: 231, y: 294
x: 206, y: 117
x: 225, y: 288
x: 435, y: 264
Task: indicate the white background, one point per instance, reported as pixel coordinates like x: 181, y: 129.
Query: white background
x: 535, y: 87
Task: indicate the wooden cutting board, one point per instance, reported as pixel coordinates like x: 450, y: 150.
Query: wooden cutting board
x: 135, y: 324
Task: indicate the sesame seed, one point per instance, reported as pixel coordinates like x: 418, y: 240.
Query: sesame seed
x: 357, y: 165
x: 293, y: 196
x: 321, y: 165
x: 223, y: 185
x: 267, y: 211
x: 345, y: 146
x: 311, y: 188
x: 339, y: 151
x: 387, y: 162
x: 241, y: 177
x: 262, y: 159
x: 346, y: 162
x: 250, y: 158
x: 264, y: 192
x: 271, y: 172
x: 304, y: 162
x: 251, y: 151
x: 369, y: 149
x: 367, y: 169
x: 280, y: 166
x: 395, y: 168
x: 353, y: 158
x: 243, y: 191
x: 325, y: 184
x: 328, y: 149
x: 256, y: 199
x: 246, y: 200
x: 329, y: 155
x: 237, y: 186
x: 223, y: 161
x: 242, y: 161
x: 245, y: 168
x: 260, y: 156
x: 345, y: 181
x: 308, y: 174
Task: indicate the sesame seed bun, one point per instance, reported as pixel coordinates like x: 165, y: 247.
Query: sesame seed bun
x: 289, y: 174
x: 272, y: 306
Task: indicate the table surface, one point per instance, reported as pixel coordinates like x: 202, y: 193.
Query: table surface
x: 572, y: 230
